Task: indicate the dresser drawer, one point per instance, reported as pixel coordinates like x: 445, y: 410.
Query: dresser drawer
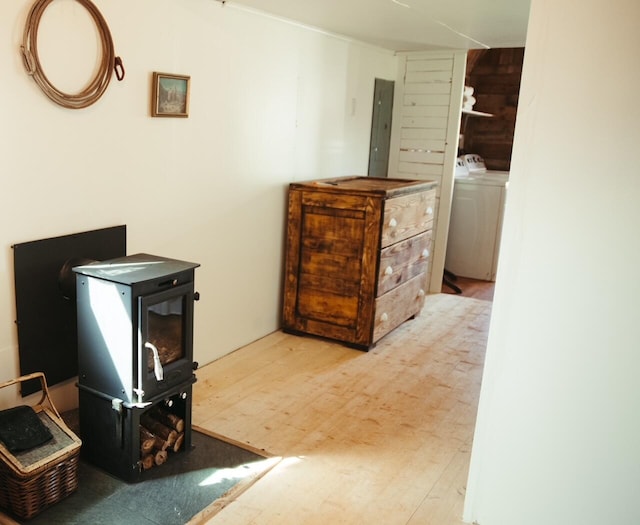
x: 403, y: 261
x: 398, y: 305
x: 407, y: 215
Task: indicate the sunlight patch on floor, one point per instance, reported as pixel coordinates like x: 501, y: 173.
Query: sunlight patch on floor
x: 240, y: 472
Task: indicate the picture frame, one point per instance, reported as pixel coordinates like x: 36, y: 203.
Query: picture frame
x: 170, y: 95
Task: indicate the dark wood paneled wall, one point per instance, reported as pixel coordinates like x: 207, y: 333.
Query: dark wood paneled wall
x: 495, y: 76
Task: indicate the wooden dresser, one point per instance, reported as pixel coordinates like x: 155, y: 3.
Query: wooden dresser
x: 357, y: 256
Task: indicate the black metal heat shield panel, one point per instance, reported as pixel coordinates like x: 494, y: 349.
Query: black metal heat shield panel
x: 45, y: 314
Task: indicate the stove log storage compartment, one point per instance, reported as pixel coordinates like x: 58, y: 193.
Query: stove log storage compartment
x: 135, y: 354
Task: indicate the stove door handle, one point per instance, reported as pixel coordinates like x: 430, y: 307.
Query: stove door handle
x: 157, y: 365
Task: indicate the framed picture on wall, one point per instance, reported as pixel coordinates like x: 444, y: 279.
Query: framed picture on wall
x: 170, y: 95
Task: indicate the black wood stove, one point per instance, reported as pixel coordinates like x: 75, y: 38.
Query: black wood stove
x: 135, y: 354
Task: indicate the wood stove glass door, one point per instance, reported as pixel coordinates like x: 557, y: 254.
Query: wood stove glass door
x: 165, y: 338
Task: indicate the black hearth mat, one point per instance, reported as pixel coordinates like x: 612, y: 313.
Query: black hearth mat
x: 171, y: 494
x: 21, y: 429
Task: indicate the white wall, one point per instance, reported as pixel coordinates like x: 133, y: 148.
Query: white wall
x: 559, y: 419
x: 271, y: 103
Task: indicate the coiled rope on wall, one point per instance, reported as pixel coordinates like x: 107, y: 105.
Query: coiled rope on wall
x: 100, y: 82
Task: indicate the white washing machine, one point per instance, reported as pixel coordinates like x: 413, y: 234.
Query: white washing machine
x: 477, y: 210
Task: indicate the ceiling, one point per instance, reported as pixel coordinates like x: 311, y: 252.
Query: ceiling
x: 409, y: 25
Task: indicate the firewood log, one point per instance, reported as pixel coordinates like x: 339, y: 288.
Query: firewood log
x: 156, y: 441
x: 147, y: 441
x: 159, y: 430
x: 147, y: 461
x: 179, y: 441
x: 160, y: 457
x: 168, y: 419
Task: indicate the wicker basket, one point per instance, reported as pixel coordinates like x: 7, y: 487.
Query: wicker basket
x: 35, y: 479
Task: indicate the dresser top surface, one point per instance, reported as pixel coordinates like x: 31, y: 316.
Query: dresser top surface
x: 388, y: 187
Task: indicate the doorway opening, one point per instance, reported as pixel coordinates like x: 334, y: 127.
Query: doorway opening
x: 478, y: 199
x: 381, y: 128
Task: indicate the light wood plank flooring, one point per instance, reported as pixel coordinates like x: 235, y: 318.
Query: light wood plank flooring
x: 472, y: 288
x: 378, y: 437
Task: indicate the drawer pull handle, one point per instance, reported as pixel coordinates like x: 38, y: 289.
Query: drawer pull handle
x: 425, y: 253
x: 393, y: 223
x: 421, y: 293
x: 384, y: 317
x: 388, y: 270
x: 429, y: 210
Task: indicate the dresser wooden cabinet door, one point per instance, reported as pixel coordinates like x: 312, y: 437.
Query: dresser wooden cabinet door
x: 357, y: 254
